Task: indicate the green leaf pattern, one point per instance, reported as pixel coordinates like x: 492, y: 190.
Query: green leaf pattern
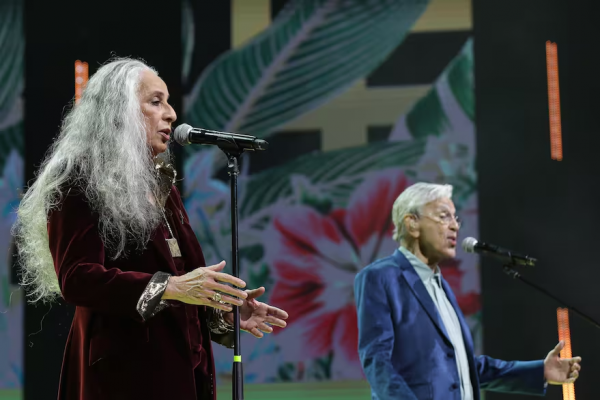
x: 12, y: 48
x: 313, y: 51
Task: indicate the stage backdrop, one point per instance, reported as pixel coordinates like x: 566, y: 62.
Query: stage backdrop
x: 12, y: 48
x: 358, y: 99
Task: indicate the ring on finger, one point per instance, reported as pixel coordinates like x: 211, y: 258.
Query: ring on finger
x: 216, y: 297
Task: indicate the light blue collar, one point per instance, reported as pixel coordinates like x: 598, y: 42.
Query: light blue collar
x: 425, y: 273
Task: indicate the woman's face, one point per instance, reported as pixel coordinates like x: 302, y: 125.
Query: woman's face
x: 158, y: 113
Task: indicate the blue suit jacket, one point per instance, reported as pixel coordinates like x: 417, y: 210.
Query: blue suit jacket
x: 405, y: 350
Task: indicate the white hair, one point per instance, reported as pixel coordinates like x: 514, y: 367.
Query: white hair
x: 102, y: 148
x: 412, y: 199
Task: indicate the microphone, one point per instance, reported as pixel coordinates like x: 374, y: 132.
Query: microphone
x: 185, y: 134
x: 471, y: 245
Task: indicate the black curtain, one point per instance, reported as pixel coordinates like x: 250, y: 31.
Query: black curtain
x: 528, y: 202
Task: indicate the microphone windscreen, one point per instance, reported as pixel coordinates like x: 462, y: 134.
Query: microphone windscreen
x: 468, y: 244
x: 182, y: 134
x: 261, y: 144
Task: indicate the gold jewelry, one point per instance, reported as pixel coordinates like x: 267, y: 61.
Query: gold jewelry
x: 217, y: 297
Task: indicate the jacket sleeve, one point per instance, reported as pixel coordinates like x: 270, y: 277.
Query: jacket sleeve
x: 78, y: 254
x: 521, y: 377
x: 225, y: 339
x: 376, y: 337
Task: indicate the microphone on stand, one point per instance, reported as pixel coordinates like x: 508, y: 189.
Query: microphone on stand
x: 185, y: 134
x: 472, y: 245
x: 233, y: 145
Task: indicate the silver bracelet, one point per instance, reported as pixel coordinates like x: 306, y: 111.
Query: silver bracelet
x: 150, y: 302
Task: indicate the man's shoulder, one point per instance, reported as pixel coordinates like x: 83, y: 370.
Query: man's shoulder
x: 387, y: 266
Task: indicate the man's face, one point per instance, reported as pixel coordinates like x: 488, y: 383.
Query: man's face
x: 438, y: 230
x: 158, y: 113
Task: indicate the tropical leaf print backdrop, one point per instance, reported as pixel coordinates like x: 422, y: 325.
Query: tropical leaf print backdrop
x: 12, y: 48
x: 309, y: 225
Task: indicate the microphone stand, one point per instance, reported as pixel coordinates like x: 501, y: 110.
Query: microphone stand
x: 233, y: 154
x: 508, y: 269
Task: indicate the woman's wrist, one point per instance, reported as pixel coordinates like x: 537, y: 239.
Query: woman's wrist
x: 171, y: 291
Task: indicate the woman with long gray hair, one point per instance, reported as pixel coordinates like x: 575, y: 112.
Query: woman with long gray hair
x: 104, y: 227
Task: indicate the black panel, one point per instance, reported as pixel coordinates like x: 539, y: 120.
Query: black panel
x: 212, y: 35
x: 420, y: 59
x: 378, y: 133
x: 58, y: 33
x: 528, y: 202
x: 277, y: 6
x: 283, y: 147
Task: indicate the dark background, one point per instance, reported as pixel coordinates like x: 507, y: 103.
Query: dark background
x: 528, y: 202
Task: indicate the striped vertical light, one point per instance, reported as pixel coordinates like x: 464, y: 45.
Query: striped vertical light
x: 556, y: 151
x: 564, y: 333
x: 81, y: 78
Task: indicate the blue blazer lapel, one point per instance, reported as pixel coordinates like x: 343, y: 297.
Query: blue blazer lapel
x: 418, y: 288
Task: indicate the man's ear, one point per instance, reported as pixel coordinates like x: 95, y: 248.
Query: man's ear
x: 411, y: 224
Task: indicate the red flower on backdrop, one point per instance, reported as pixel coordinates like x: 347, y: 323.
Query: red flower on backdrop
x: 315, y: 258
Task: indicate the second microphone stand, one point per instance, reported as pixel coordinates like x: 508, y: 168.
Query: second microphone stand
x: 509, y: 270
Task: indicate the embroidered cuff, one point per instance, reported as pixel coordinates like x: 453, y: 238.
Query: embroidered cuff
x: 150, y: 302
x: 217, y: 324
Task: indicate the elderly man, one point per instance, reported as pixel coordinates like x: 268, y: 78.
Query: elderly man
x: 414, y: 342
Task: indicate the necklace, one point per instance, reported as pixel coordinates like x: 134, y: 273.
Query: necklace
x: 166, y: 175
x: 172, y: 243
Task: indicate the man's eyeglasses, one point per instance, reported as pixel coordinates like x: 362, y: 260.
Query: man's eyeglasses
x: 444, y: 218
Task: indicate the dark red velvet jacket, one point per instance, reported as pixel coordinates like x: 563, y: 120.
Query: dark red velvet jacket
x: 111, y: 352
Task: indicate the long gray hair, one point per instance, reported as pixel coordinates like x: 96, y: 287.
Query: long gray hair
x: 102, y: 146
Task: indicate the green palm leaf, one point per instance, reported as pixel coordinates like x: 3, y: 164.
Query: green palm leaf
x: 314, y: 50
x: 265, y: 188
x: 427, y: 116
x: 461, y: 81
x: 12, y: 50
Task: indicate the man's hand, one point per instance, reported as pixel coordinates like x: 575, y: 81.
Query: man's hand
x: 256, y: 317
x: 558, y: 371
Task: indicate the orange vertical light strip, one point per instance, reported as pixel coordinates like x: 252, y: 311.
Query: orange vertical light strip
x: 564, y: 333
x: 81, y: 78
x: 556, y: 151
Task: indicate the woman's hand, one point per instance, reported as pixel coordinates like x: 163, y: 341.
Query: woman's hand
x: 257, y: 317
x: 201, y: 285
